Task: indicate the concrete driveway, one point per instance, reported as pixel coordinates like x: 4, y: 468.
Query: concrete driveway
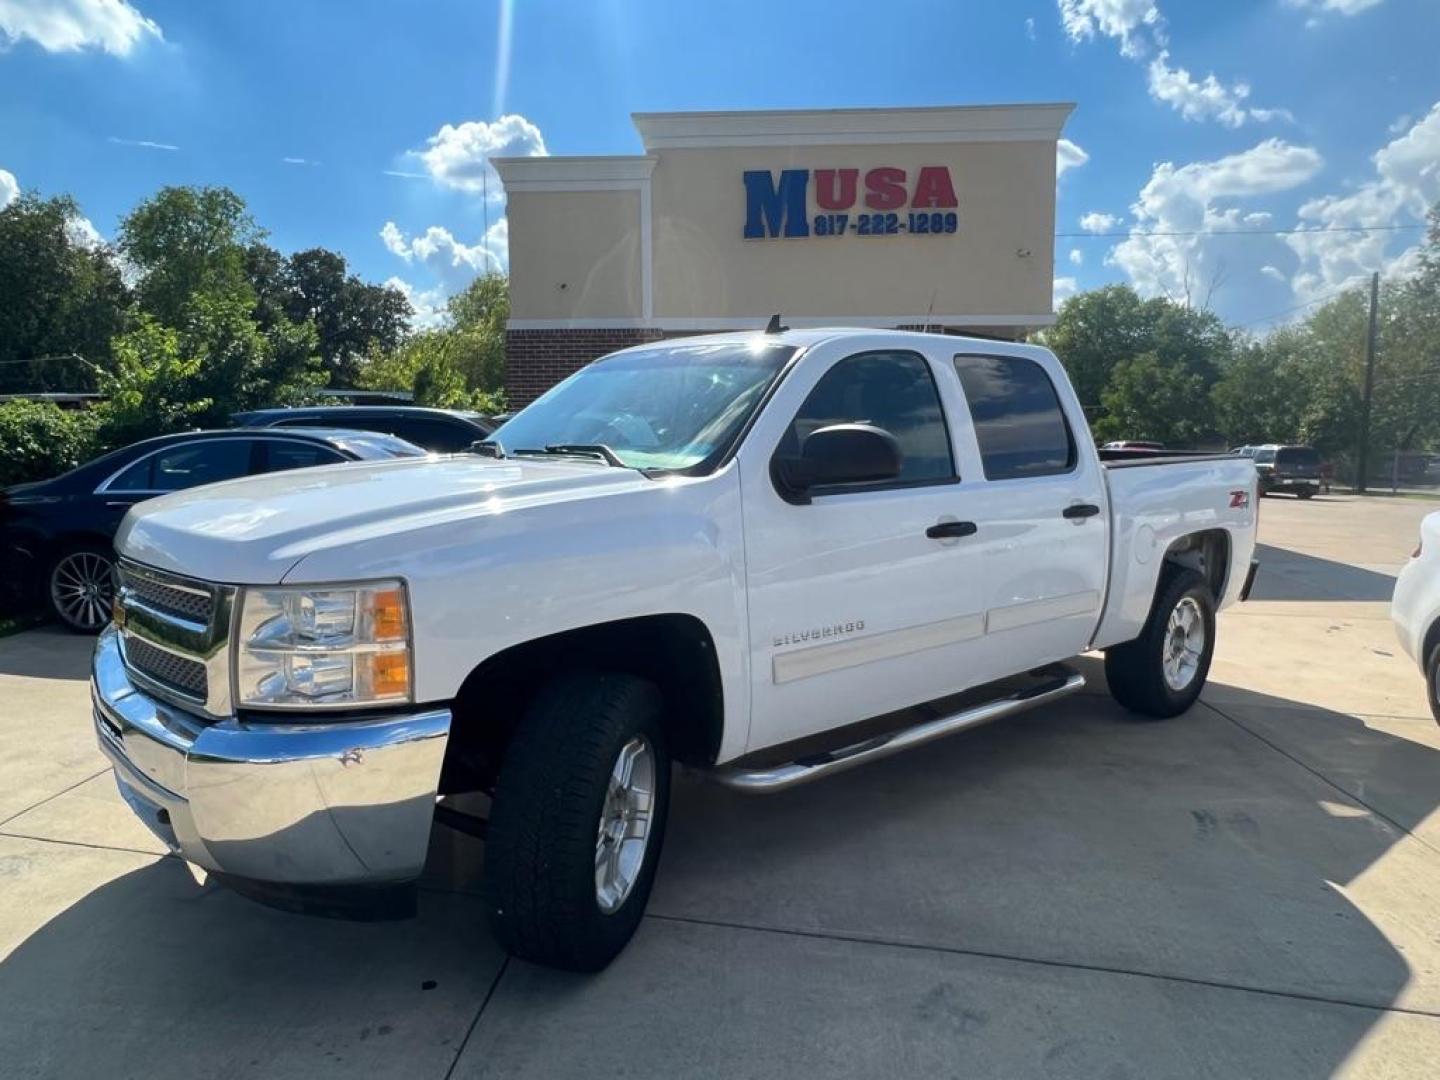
x: 1252, y: 889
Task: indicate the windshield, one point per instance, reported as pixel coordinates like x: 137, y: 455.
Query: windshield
x: 1264, y: 457
x: 669, y: 407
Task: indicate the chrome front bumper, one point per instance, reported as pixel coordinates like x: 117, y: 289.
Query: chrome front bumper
x: 338, y: 803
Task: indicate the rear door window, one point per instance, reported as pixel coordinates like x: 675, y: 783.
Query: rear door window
x: 1292, y: 456
x: 1021, y: 429
x: 281, y: 454
x: 187, y: 465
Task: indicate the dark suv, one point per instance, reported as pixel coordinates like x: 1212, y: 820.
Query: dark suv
x: 1295, y: 469
x: 443, y: 431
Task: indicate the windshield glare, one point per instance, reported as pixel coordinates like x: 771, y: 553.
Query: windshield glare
x: 669, y: 407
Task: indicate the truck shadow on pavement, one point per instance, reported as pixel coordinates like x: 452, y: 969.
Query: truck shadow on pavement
x: 47, y: 652
x: 1291, y: 575
x: 1064, y: 893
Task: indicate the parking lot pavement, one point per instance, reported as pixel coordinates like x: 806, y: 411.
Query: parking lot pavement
x: 1250, y: 889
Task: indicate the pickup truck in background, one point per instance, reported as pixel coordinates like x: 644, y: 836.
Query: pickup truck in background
x: 770, y: 557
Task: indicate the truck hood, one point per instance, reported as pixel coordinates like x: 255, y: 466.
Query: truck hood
x: 252, y: 531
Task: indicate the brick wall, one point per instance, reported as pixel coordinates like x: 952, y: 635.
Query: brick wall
x: 536, y: 360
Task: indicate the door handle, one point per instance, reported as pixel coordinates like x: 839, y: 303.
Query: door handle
x: 1080, y: 510
x: 950, y: 530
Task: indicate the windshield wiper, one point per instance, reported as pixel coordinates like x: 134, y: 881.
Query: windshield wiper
x: 586, y: 450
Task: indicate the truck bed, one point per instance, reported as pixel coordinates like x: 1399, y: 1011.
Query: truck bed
x: 1154, y: 500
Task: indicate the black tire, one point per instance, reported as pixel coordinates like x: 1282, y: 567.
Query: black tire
x: 79, y: 587
x: 1305, y: 493
x: 1432, y: 681
x: 1136, y: 670
x: 541, y: 846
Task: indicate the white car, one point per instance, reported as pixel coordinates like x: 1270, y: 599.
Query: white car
x: 1415, y: 608
x: 769, y: 557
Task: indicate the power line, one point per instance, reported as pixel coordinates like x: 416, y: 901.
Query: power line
x: 1241, y: 232
x: 1297, y: 307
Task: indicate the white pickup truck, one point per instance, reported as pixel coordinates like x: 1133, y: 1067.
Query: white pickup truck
x: 769, y: 557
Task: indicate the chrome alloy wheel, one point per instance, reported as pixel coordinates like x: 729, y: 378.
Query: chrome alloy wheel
x: 624, y: 832
x: 82, y: 586
x: 1184, y: 644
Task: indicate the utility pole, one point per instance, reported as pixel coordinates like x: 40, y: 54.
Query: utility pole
x: 1362, y: 456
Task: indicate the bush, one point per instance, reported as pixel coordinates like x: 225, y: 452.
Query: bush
x: 39, y: 440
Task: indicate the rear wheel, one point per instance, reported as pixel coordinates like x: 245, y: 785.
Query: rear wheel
x: 578, y: 820
x: 1161, y: 672
x: 1432, y: 681
x: 82, y: 587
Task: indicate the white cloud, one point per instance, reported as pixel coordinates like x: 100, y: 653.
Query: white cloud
x: 113, y: 26
x: 1030, y: 29
x: 83, y: 234
x: 1140, y: 29
x: 1406, y: 183
x: 1068, y: 155
x: 427, y: 305
x: 1207, y: 98
x: 298, y: 161
x: 1134, y: 23
x: 1173, y: 248
x: 1274, y: 273
x: 1096, y: 222
x: 1077, y: 257
x: 1065, y: 287
x: 1339, y: 7
x: 9, y: 188
x: 454, y: 264
x: 143, y: 144
x: 458, y: 155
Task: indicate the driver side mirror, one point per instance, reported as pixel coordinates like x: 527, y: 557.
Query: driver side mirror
x: 838, y: 454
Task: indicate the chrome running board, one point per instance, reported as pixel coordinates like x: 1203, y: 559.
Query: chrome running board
x: 779, y: 777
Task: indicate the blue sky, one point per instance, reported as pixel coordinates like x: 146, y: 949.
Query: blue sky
x: 364, y: 126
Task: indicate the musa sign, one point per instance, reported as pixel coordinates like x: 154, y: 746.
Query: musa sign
x: 781, y: 207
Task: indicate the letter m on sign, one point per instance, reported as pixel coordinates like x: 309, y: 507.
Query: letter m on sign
x: 776, y: 210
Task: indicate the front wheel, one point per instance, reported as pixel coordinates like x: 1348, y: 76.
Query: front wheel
x: 82, y: 587
x: 577, y: 821
x: 1161, y: 672
x: 1305, y: 493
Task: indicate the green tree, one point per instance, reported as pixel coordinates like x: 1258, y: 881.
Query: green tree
x: 1149, y: 398
x: 187, y: 241
x: 1264, y: 390
x: 1099, y: 333
x: 350, y: 316
x: 39, y: 440
x: 58, y: 298
x: 478, y: 314
x: 1095, y: 330
x: 461, y: 364
x: 153, y: 388
x: 428, y: 365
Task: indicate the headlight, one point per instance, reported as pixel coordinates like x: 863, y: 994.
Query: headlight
x: 324, y: 647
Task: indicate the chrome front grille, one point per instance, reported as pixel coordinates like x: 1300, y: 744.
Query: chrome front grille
x: 188, y: 602
x: 175, y: 636
x: 179, y: 673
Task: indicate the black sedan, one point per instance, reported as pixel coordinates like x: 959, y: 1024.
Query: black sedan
x: 58, y: 534
x: 444, y: 431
